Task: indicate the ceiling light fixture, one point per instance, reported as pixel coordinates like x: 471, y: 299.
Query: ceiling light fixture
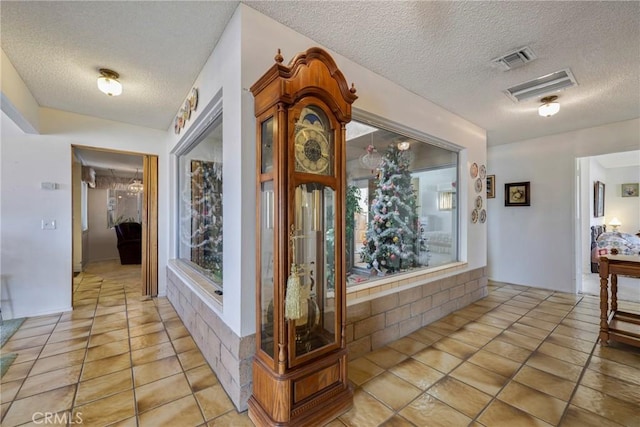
x: 549, y: 107
x: 136, y: 186
x: 404, y: 145
x: 108, y: 82
x: 371, y: 159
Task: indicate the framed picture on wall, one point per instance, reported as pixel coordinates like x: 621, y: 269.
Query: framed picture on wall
x: 517, y: 194
x: 491, y: 186
x: 598, y: 199
x: 630, y: 190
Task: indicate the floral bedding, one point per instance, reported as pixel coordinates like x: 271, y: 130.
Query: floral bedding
x: 617, y: 244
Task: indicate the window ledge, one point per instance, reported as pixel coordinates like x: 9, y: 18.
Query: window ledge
x: 198, y: 284
x: 396, y: 282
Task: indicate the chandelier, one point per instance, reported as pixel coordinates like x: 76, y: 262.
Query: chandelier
x: 136, y: 185
x: 371, y: 159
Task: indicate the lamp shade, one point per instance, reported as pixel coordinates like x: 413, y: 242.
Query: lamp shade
x: 615, y: 222
x: 549, y: 107
x: 108, y: 82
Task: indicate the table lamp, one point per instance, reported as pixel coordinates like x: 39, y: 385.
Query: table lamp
x: 615, y: 223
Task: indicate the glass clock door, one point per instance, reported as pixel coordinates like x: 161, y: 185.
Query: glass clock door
x: 313, y: 262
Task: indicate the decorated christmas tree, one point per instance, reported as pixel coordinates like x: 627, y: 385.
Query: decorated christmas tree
x: 392, y: 241
x: 203, y: 203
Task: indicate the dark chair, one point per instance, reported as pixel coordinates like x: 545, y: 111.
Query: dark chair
x: 129, y: 242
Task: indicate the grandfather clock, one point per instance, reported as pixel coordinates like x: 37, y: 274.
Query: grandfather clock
x: 300, y: 366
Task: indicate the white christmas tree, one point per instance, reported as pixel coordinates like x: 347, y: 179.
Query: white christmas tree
x: 202, y: 219
x: 392, y: 241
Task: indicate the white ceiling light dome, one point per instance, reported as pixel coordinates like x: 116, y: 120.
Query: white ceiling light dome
x: 549, y: 107
x: 108, y: 82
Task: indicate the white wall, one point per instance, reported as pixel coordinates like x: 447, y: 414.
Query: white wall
x: 536, y: 245
x: 76, y: 188
x: 626, y: 209
x: 36, y: 264
x: 589, y: 172
x: 102, y: 241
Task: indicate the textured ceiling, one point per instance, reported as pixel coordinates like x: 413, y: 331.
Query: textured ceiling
x: 157, y: 47
x: 442, y: 51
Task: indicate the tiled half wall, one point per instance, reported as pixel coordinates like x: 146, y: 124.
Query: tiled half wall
x: 376, y: 322
x: 371, y: 324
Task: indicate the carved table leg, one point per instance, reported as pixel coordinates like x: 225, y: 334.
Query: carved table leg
x: 604, y: 310
x: 614, y: 292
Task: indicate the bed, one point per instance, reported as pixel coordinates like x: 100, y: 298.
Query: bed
x: 611, y: 243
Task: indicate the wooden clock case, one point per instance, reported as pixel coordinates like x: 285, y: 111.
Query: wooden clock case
x: 300, y: 366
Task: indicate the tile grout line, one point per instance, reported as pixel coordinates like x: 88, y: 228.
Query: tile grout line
x: 447, y: 374
x: 133, y: 379
x: 582, y: 371
x: 86, y: 350
x: 583, y: 368
x: 511, y: 378
x: 573, y: 304
x: 184, y: 372
x: 493, y: 398
x: 31, y: 368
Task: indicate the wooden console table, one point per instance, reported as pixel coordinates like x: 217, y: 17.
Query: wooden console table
x: 617, y: 325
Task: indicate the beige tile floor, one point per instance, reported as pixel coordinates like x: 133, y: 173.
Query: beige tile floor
x: 522, y: 356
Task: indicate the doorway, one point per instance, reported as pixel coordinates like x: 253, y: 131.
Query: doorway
x: 115, y: 212
x: 611, y: 171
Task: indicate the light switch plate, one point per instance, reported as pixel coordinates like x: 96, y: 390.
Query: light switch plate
x: 48, y: 224
x: 49, y: 185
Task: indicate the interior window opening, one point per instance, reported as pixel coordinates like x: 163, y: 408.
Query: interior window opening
x: 401, y: 204
x: 200, y: 225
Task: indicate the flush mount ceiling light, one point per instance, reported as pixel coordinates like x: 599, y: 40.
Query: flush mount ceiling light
x: 108, y: 82
x: 549, y: 107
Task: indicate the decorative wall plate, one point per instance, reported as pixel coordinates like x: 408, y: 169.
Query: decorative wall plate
x: 474, y: 170
x: 483, y: 171
x: 479, y: 202
x: 483, y: 216
x: 478, y: 185
x: 193, y: 99
x: 474, y: 216
x: 186, y: 111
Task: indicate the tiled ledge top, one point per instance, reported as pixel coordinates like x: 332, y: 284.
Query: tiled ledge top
x: 387, y: 285
x: 197, y: 284
x: 355, y: 294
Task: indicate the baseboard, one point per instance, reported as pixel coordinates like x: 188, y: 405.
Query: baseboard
x: 39, y: 313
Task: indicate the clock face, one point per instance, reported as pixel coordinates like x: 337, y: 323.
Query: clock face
x: 312, y: 151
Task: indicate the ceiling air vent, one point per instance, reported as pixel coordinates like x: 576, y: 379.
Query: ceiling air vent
x: 541, y: 86
x: 515, y: 59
